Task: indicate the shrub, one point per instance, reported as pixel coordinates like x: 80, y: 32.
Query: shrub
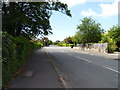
x: 8, y: 57
x: 64, y: 44
x: 15, y: 51
x: 111, y: 46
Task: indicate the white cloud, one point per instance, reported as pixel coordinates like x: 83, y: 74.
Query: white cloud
x: 72, y: 3
x: 107, y: 10
x: 89, y: 12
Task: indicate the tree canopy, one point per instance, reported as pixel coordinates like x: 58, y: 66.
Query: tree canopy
x: 89, y: 31
x: 114, y: 33
x: 69, y: 40
x: 30, y: 18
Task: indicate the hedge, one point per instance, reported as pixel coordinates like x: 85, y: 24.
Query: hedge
x: 65, y: 45
x: 15, y: 51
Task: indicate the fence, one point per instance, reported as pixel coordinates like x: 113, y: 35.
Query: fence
x: 101, y: 47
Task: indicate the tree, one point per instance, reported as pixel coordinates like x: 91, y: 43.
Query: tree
x: 30, y: 18
x: 46, y: 41
x: 111, y: 43
x: 114, y: 33
x: 68, y: 40
x: 104, y: 38
x: 89, y: 31
x: 57, y: 42
x: 77, y: 37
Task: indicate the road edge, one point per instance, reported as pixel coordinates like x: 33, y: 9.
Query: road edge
x: 57, y: 71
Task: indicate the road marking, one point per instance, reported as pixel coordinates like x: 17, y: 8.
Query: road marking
x: 84, y: 59
x: 111, y: 69
x: 103, y: 66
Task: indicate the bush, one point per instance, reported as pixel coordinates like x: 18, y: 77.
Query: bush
x: 111, y: 46
x: 65, y: 45
x: 15, y: 51
x: 9, y: 61
x: 36, y: 45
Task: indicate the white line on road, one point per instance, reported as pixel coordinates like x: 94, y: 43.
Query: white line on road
x: 84, y: 59
x: 111, y: 69
x: 103, y: 66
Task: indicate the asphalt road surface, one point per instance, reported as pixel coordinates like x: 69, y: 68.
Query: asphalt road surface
x: 81, y: 70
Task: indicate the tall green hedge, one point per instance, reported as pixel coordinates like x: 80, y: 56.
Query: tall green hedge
x: 15, y: 51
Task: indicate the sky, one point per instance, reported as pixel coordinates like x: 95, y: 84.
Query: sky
x: 104, y: 12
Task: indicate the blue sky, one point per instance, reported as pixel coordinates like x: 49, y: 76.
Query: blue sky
x: 105, y: 13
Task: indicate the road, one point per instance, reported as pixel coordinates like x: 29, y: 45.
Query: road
x: 58, y: 67
x: 81, y: 70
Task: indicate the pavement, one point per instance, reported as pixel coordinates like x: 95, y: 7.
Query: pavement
x: 38, y: 73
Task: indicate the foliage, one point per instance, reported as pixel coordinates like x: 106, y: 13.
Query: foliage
x: 111, y: 46
x: 114, y: 33
x: 89, y: 31
x: 77, y: 37
x: 104, y: 38
x: 111, y: 43
x: 15, y: 52
x: 57, y: 42
x: 46, y: 41
x: 68, y: 40
x: 64, y: 44
x: 30, y: 18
